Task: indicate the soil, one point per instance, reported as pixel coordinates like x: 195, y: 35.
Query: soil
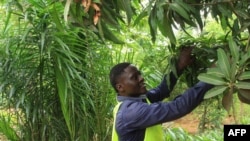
x: 190, y: 123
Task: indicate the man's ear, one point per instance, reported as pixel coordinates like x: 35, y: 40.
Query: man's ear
x: 119, y: 87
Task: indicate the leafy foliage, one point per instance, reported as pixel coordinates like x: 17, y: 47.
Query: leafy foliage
x: 229, y: 76
x: 55, y: 56
x: 173, y: 134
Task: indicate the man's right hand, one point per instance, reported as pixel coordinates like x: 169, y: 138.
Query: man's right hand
x: 185, y: 58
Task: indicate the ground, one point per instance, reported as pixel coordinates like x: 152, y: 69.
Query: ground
x: 190, y: 123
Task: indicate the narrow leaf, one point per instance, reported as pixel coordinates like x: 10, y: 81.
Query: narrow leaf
x: 126, y: 6
x: 152, y: 20
x: 242, y: 13
x: 166, y: 29
x: 66, y: 10
x: 223, y: 62
x: 215, y: 91
x: 244, y: 59
x: 234, y: 69
x: 245, y: 76
x: 56, y: 19
x: 109, y: 34
x: 243, y: 85
x: 109, y: 17
x: 216, y: 72
x: 140, y: 17
x: 234, y: 49
x: 178, y: 9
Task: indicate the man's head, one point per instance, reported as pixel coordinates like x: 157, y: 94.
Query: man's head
x: 126, y: 79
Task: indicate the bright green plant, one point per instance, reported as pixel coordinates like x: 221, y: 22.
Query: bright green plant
x: 6, y: 127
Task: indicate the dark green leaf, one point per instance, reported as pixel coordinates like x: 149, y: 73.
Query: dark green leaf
x: 223, y: 63
x: 234, y: 69
x: 242, y: 13
x: 153, y: 23
x: 178, y: 9
x: 244, y: 59
x: 109, y: 17
x: 127, y: 7
x: 166, y: 29
x: 234, y: 49
x: 109, y: 34
x: 225, y: 11
x: 244, y: 93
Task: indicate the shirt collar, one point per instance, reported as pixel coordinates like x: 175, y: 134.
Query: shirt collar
x: 123, y: 98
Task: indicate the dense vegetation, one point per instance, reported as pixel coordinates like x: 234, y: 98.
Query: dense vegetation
x: 56, y: 55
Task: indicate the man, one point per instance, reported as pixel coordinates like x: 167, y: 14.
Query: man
x: 139, y: 113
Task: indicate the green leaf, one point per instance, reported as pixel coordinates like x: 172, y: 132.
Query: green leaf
x: 234, y: 49
x: 234, y: 69
x: 245, y: 75
x: 243, y: 85
x: 66, y: 10
x: 126, y: 6
x: 191, y: 11
x: 55, y: 17
x: 109, y: 34
x: 211, y: 79
x: 224, y: 10
x: 140, y: 17
x: 244, y: 59
x: 178, y: 9
x: 166, y: 29
x: 223, y: 63
x: 215, y: 71
x: 109, y: 17
x: 215, y: 91
x: 153, y: 23
x: 242, y: 13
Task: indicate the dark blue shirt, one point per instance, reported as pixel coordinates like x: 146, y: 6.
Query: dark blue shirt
x: 135, y: 115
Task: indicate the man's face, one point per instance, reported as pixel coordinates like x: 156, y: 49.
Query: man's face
x: 131, y: 83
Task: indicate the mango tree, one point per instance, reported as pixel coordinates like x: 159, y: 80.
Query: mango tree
x: 230, y: 52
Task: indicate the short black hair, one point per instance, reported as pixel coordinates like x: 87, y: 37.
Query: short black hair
x: 116, y: 72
